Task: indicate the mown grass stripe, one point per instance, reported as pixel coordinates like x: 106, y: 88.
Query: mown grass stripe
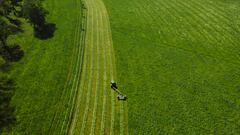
x: 94, y: 96
x: 67, y: 84
x: 93, y: 122
x: 83, y: 75
x: 102, y: 128
x: 107, y: 59
x: 100, y: 103
x: 91, y: 76
x: 113, y: 75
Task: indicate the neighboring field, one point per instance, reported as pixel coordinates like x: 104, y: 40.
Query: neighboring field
x: 42, y: 97
x: 179, y: 63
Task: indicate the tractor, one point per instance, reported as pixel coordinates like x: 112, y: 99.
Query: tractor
x: 115, y: 88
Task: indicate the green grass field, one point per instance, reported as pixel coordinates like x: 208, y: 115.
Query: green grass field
x: 42, y: 76
x: 63, y: 84
x: 179, y: 63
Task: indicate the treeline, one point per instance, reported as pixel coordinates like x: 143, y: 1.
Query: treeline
x: 11, y: 14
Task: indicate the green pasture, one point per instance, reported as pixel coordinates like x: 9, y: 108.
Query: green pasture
x: 43, y: 72
x: 179, y: 64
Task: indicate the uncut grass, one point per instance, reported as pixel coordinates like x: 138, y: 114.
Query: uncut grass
x: 42, y: 73
x: 178, y: 62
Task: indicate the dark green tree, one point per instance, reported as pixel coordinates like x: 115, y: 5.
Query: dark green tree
x: 10, y: 13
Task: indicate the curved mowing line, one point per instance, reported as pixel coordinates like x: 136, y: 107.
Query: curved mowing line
x: 106, y: 112
x: 94, y: 96
x: 83, y: 80
x: 90, y: 83
x: 93, y: 123
x: 111, y: 73
x: 74, y: 89
x: 70, y: 73
x: 123, y: 119
x: 104, y: 93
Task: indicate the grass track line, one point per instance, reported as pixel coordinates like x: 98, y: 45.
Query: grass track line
x: 84, y: 74
x: 92, y: 77
x: 93, y: 123
x: 75, y: 85
x: 78, y: 91
x: 70, y: 74
x: 111, y: 58
x: 111, y: 73
x: 109, y: 114
x: 104, y: 91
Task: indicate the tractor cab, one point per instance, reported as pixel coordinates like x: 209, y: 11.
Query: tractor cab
x: 114, y: 85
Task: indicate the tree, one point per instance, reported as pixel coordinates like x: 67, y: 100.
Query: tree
x: 33, y: 10
x: 10, y: 13
x: 7, y: 117
x: 36, y: 14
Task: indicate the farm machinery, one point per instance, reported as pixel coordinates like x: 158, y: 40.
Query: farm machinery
x: 115, y: 88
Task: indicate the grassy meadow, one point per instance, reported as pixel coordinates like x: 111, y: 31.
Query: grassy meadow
x: 42, y: 73
x: 179, y: 64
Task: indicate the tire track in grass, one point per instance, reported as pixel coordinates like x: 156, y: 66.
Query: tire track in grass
x: 83, y: 122
x: 67, y: 114
x: 67, y: 76
x: 78, y: 91
x: 77, y: 116
x: 99, y: 53
x: 107, y: 114
x: 56, y: 118
x: 97, y: 124
x: 82, y: 86
x: 94, y: 69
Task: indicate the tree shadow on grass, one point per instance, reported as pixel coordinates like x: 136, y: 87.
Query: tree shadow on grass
x: 7, y: 116
x: 45, y: 32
